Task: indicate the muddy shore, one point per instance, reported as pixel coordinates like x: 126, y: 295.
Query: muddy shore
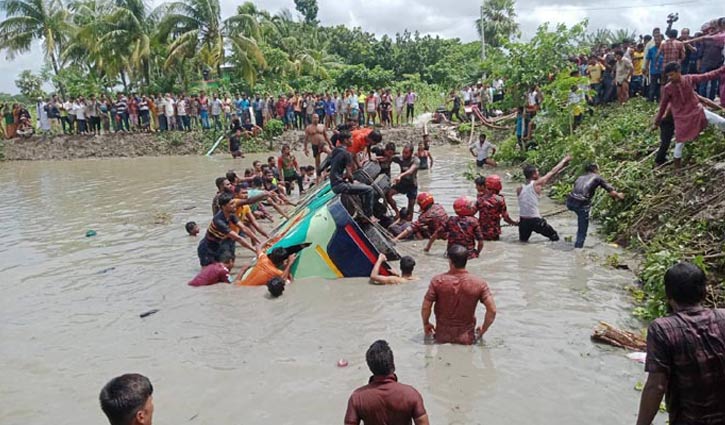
x: 122, y: 145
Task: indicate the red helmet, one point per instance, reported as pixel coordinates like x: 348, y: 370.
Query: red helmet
x: 425, y: 200
x: 465, y: 206
x: 493, y: 182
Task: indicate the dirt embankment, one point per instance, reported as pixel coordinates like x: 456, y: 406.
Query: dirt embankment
x: 140, y: 144
x: 106, y: 146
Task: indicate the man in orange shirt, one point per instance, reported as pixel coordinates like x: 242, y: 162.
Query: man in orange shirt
x: 277, y: 264
x: 362, y: 139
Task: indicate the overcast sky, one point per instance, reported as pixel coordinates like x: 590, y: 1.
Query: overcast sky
x: 454, y: 18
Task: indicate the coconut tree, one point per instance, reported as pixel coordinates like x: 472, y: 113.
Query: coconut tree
x: 89, y: 24
x: 30, y: 20
x: 499, y: 22
x: 621, y: 35
x: 196, y: 26
x: 601, y: 36
x: 131, y: 28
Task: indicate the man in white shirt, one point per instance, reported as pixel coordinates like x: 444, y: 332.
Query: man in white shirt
x: 483, y: 150
x: 399, y: 107
x: 80, y: 110
x: 466, y: 94
x: 169, y: 104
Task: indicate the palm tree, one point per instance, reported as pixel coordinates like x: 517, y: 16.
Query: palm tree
x: 30, y: 20
x: 499, y: 22
x: 89, y: 24
x: 621, y: 35
x: 196, y: 26
x: 131, y: 28
x: 601, y: 36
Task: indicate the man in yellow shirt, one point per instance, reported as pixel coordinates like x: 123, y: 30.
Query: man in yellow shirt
x: 636, y: 85
x: 594, y: 72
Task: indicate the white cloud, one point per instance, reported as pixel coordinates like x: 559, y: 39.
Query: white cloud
x: 454, y: 18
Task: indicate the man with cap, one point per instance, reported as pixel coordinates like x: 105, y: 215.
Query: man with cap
x: 432, y: 216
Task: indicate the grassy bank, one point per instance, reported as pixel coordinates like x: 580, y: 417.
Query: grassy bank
x: 666, y: 216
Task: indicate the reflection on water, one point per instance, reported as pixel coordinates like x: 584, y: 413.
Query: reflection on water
x: 70, y: 313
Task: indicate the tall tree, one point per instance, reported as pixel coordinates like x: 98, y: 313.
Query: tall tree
x: 196, y: 27
x: 30, y: 85
x: 30, y: 20
x: 131, y: 28
x: 308, y: 9
x: 499, y: 22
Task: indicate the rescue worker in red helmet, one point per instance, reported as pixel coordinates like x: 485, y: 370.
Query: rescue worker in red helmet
x: 462, y: 229
x: 491, y: 207
x: 432, y: 217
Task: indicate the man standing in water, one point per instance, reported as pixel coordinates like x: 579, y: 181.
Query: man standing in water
x: 210, y: 247
x: 455, y: 295
x: 128, y: 400
x: 407, y: 264
x: 384, y: 400
x: 580, y: 199
x: 530, y: 219
x: 686, y: 354
x: 316, y: 135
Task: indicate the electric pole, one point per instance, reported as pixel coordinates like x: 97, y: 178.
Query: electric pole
x: 483, y: 35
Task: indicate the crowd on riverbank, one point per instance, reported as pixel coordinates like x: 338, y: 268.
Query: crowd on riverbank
x: 620, y: 71
x: 133, y: 112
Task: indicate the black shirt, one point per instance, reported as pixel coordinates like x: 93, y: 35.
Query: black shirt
x: 340, y: 158
x: 585, y: 186
x: 219, y: 227
x: 235, y: 125
x: 234, y: 143
x: 405, y: 165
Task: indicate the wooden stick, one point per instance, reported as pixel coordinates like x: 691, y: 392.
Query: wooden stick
x: 473, y: 126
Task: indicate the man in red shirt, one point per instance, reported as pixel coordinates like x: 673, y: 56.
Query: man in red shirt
x: 215, y: 272
x: 672, y: 50
x: 362, y: 139
x: 384, y: 401
x: 455, y: 295
x: 432, y: 217
x: 491, y: 207
x: 686, y: 354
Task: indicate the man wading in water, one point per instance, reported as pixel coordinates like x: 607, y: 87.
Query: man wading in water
x: 580, y: 199
x: 456, y: 295
x: 316, y: 135
x: 530, y: 219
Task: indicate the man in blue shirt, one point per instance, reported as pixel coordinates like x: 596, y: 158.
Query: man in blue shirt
x: 239, y: 105
x: 245, y: 107
x: 330, y: 112
x: 653, y: 67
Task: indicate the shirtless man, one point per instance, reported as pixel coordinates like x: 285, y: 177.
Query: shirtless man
x: 316, y: 135
x: 406, y: 272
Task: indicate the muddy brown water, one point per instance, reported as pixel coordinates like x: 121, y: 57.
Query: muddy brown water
x: 69, y: 315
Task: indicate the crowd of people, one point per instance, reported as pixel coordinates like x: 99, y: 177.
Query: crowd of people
x: 685, y: 350
x: 133, y: 112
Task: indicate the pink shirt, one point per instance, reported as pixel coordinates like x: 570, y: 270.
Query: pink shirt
x: 211, y: 274
x: 686, y: 109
